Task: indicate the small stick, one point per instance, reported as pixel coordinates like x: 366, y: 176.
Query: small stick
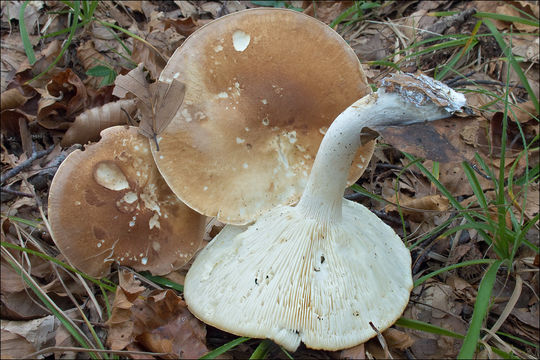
x: 484, y: 82
x: 382, y: 341
x: 14, y: 192
x: 457, y: 78
x: 25, y: 164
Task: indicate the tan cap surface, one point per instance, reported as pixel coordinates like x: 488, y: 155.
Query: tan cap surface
x: 262, y: 87
x: 109, y: 204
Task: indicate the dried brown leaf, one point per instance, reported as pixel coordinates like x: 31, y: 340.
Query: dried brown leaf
x: 160, y: 321
x: 10, y: 121
x: 10, y: 281
x: 133, y: 5
x: 89, y: 124
x: 142, y: 53
x: 158, y: 102
x: 39, y: 332
x: 20, y: 306
x: 14, y: 346
x: 355, y: 352
x: 163, y: 324
x: 327, y: 11
x: 510, y: 10
x: 421, y: 140
x: 120, y: 323
x: 11, y: 99
x: 133, y: 82
x: 413, y: 206
x: 62, y: 98
x: 436, y: 304
x: 397, y: 339
x: 185, y: 26
x: 43, y: 60
x: 168, y: 98
x: 523, y: 112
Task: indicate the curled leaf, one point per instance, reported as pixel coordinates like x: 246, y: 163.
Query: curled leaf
x: 89, y: 124
x: 63, y: 97
x: 158, y: 102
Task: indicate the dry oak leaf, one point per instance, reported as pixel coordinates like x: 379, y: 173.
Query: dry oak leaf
x: 158, y: 102
x: 64, y: 96
x: 120, y: 323
x: 90, y: 123
x: 11, y: 99
x: 419, y: 208
x: 164, y: 324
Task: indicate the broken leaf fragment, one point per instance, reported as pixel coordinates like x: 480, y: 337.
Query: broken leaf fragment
x: 158, y: 322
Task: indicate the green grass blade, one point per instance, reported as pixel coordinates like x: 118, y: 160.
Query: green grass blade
x: 475, y: 184
x: 289, y: 356
x: 73, y: 28
x: 34, y: 224
x: 508, y: 53
x: 422, y: 279
x: 160, y: 280
x: 523, y: 341
x: 449, y: 196
x: 60, y: 263
x: 480, y: 310
x: 28, y: 48
x: 262, y: 350
x: 508, y: 18
x: 72, y: 330
x: 426, y: 327
x: 344, y: 15
x: 224, y: 348
x: 466, y: 48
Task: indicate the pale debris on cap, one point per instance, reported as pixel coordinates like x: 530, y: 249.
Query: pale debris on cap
x: 262, y: 87
x: 293, y: 279
x: 108, y: 204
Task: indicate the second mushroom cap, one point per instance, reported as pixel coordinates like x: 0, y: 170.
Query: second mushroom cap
x: 262, y: 87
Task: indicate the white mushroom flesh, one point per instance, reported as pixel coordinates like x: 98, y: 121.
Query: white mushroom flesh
x: 321, y: 271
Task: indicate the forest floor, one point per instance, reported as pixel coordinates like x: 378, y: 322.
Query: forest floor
x: 462, y: 193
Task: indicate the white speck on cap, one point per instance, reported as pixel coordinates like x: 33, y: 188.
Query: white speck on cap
x: 223, y: 95
x: 240, y: 40
x: 144, y: 260
x: 239, y: 140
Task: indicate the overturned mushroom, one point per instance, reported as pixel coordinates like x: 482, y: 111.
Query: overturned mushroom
x: 262, y: 87
x: 109, y: 204
x: 321, y: 271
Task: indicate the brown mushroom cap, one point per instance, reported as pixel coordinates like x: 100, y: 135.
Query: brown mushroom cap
x: 109, y: 204
x: 262, y: 87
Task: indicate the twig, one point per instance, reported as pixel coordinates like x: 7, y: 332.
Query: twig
x: 382, y: 341
x: 14, y: 192
x: 457, y: 78
x: 484, y: 82
x: 25, y: 164
x: 446, y: 22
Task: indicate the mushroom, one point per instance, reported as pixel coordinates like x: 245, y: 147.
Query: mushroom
x: 109, y: 204
x: 262, y: 87
x: 321, y: 271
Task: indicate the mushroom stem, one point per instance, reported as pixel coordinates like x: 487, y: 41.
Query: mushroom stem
x: 402, y: 100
